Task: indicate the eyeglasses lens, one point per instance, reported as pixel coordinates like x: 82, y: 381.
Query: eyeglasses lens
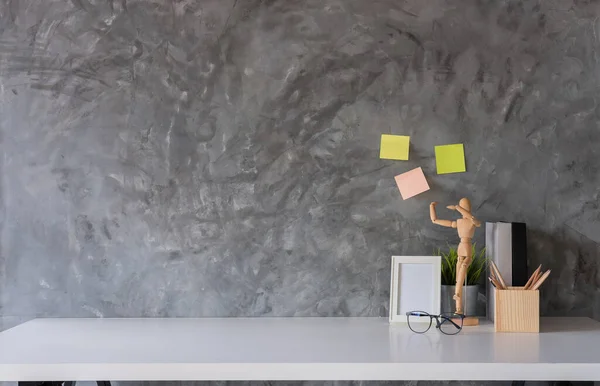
x: 451, y: 323
x: 419, y: 321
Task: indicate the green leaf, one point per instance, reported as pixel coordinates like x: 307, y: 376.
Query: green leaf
x: 477, y: 268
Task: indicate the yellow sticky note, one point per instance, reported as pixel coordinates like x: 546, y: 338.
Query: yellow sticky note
x: 394, y: 147
x: 450, y: 158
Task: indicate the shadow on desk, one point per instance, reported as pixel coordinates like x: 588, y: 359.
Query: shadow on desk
x: 549, y: 325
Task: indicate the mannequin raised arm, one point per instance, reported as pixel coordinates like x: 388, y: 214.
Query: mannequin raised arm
x: 435, y: 220
x: 468, y: 215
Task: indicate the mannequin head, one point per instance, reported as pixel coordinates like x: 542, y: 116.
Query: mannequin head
x: 465, y: 204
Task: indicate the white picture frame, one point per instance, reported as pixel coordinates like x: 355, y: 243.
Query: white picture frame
x: 416, y: 285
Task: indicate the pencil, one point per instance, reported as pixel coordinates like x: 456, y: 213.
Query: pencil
x: 494, y: 282
x: 535, y: 278
x: 541, y: 280
x: 531, y: 280
x: 498, y: 275
x: 492, y: 274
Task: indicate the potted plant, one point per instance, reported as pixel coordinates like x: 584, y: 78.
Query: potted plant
x: 471, y: 289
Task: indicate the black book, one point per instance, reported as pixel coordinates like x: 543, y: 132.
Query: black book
x: 519, y: 254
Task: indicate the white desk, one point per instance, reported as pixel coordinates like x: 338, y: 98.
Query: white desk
x: 292, y: 349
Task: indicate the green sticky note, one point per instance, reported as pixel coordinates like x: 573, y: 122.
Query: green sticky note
x: 394, y: 147
x: 450, y: 158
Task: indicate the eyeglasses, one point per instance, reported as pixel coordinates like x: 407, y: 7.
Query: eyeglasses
x: 448, y: 323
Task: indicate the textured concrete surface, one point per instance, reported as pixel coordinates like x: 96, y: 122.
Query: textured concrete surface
x: 220, y: 158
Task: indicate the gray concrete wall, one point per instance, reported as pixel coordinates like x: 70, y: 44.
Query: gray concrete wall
x: 220, y: 158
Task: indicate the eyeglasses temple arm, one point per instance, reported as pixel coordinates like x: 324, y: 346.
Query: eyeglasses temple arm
x: 451, y: 321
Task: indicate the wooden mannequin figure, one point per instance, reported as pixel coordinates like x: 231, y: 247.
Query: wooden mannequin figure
x: 466, y: 229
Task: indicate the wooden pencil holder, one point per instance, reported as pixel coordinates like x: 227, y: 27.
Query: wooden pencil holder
x: 517, y: 310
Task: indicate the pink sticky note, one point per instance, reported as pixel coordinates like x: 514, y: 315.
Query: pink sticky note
x: 412, y: 183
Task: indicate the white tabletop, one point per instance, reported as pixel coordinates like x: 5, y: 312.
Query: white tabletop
x: 292, y: 349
